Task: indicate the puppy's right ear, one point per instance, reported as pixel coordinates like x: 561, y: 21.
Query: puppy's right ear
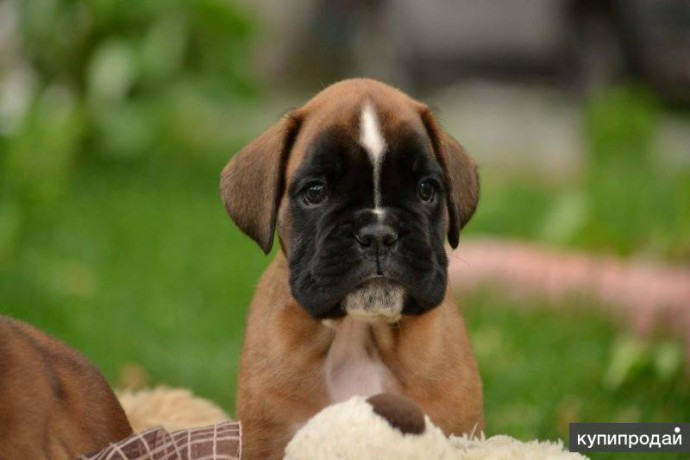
x: 251, y: 185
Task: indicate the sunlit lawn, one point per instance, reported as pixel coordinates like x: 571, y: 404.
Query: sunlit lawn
x: 139, y: 264
x: 544, y: 369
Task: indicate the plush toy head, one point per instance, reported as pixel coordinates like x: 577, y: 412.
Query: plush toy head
x: 383, y: 427
x: 389, y: 427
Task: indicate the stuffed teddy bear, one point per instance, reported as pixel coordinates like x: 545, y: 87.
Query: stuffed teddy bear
x: 383, y: 427
x: 387, y: 427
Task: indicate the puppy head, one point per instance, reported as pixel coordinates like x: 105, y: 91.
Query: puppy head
x: 364, y: 187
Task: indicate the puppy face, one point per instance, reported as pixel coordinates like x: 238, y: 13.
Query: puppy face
x: 368, y: 224
x: 364, y: 187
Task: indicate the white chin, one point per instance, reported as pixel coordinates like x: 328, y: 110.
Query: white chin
x: 376, y: 300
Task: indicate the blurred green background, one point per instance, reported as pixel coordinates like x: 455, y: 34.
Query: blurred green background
x: 116, y: 119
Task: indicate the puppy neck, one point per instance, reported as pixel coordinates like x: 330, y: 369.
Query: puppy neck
x: 353, y: 364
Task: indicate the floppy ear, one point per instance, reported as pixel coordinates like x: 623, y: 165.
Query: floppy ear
x: 252, y: 183
x: 462, y: 180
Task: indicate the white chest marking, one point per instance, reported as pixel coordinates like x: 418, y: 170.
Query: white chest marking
x: 349, y: 368
x: 372, y: 140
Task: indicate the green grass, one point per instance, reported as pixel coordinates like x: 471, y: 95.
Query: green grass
x: 628, y: 213
x: 543, y: 369
x: 139, y: 264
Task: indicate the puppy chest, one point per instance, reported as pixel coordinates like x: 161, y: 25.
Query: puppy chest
x: 353, y: 365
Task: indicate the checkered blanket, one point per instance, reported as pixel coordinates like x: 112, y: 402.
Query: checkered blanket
x: 216, y: 442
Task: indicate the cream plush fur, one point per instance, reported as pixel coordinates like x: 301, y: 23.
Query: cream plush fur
x: 344, y: 431
x: 172, y: 408
x: 352, y: 430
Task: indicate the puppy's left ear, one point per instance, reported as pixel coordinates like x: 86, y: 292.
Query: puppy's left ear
x: 462, y: 180
x: 251, y: 185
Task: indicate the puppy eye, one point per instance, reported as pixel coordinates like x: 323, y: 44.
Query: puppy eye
x: 426, y: 190
x: 314, y: 193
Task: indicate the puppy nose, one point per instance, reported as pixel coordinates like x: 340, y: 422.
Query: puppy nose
x: 379, y: 234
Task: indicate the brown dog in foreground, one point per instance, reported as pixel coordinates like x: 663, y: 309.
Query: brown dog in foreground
x: 54, y: 404
x: 363, y: 187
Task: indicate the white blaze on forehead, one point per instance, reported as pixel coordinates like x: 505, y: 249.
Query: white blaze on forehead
x: 372, y: 140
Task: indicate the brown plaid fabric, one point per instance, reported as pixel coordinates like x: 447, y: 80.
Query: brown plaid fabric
x: 216, y: 442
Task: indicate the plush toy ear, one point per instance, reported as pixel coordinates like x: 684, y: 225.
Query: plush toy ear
x: 462, y: 180
x: 252, y: 183
x: 401, y: 413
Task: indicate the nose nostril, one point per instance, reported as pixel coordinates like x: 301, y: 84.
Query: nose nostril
x: 390, y: 239
x: 363, y: 239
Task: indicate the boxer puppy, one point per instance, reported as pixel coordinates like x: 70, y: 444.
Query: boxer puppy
x: 363, y: 187
x: 54, y: 404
